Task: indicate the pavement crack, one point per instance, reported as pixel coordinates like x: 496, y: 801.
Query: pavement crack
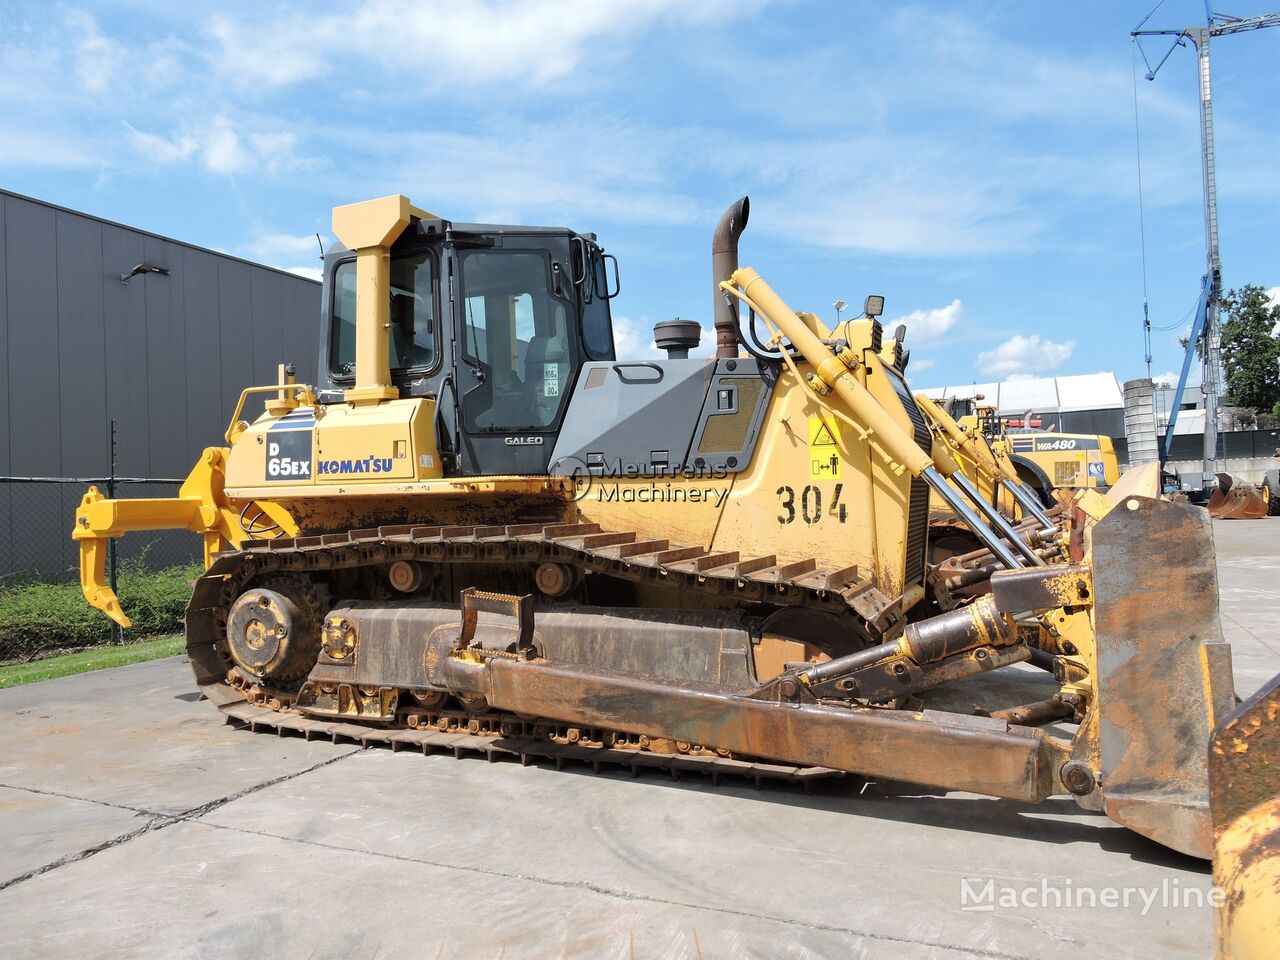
x: 617, y: 894
x: 156, y: 821
x: 72, y: 796
x: 212, y: 805
x: 153, y: 824
x: 1271, y: 648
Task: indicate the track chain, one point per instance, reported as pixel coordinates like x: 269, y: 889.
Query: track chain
x: 614, y: 553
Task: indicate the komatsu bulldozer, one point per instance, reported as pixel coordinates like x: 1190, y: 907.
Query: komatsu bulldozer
x: 480, y: 531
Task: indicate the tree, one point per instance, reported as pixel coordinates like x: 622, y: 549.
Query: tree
x: 1251, y: 348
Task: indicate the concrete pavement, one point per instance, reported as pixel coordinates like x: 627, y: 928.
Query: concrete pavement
x: 134, y: 823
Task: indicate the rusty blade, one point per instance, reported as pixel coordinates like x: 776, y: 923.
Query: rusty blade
x: 951, y: 751
x: 1164, y: 671
x: 1244, y: 796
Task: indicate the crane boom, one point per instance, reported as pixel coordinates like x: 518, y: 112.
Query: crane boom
x: 1210, y: 304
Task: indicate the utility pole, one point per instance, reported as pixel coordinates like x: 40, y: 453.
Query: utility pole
x: 1210, y: 304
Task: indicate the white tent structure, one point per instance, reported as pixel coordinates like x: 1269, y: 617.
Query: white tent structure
x: 1086, y: 403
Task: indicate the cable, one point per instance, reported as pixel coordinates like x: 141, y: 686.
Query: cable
x: 1149, y: 16
x: 1178, y: 323
x: 1142, y: 216
x: 759, y: 350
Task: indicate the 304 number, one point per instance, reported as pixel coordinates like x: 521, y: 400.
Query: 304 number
x: 807, y: 505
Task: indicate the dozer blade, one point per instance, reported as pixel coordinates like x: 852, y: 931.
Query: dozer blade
x: 1244, y: 794
x: 1164, y: 672
x: 1234, y: 499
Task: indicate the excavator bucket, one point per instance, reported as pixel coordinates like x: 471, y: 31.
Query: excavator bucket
x: 1234, y: 499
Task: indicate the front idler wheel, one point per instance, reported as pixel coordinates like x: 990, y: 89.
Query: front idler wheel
x: 273, y: 636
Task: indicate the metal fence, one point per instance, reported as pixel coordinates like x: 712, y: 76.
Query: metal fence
x: 37, y: 514
x: 1232, y: 445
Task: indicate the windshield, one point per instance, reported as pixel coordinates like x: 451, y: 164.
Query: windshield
x: 413, y: 328
x: 516, y: 331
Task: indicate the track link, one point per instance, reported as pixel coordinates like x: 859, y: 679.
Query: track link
x: 525, y: 749
x: 620, y: 554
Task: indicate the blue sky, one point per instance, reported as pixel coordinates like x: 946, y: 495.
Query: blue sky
x: 973, y: 162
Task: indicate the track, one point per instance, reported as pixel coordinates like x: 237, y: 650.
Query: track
x: 621, y: 555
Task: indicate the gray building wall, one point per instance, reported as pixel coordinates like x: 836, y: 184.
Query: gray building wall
x: 165, y: 356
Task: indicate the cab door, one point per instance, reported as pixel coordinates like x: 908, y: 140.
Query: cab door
x: 518, y: 356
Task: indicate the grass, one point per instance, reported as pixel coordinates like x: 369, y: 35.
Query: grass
x: 38, y: 618
x: 100, y: 658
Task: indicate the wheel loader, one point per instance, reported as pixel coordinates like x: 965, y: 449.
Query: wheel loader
x: 1045, y: 461
x: 481, y: 532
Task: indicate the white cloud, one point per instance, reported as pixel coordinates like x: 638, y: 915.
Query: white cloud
x: 223, y: 152
x: 98, y: 58
x: 220, y: 146
x: 158, y: 149
x: 287, y: 252
x: 621, y: 171
x: 24, y: 147
x: 924, y: 363
x: 282, y: 246
x: 895, y: 193
x: 633, y: 340
x: 1024, y: 355
x: 444, y: 44
x: 1166, y: 379
x: 926, y: 325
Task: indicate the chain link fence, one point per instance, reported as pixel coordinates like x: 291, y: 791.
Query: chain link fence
x: 37, y: 514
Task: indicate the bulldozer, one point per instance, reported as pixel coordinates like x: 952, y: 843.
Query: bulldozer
x: 481, y: 532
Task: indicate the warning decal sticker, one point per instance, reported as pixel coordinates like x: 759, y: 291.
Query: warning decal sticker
x: 824, y: 449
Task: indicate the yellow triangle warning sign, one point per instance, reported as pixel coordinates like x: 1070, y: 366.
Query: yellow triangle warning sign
x: 821, y: 433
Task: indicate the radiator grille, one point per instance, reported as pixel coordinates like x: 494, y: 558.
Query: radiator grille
x: 918, y: 498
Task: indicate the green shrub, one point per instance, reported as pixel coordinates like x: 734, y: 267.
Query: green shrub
x: 40, y: 617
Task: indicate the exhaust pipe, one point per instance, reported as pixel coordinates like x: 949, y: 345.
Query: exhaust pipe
x: 724, y: 261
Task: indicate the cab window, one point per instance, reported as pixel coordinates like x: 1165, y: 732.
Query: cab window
x: 597, y: 327
x: 516, y: 332
x: 413, y: 329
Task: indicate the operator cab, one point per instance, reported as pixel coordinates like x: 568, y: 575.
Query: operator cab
x: 493, y: 322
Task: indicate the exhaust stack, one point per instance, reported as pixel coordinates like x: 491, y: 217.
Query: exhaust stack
x: 724, y: 261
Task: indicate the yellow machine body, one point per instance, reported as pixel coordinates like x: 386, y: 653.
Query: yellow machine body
x: 779, y: 611
x: 811, y: 490
x: 1071, y: 461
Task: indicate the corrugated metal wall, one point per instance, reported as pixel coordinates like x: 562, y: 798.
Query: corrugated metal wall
x: 166, y: 356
